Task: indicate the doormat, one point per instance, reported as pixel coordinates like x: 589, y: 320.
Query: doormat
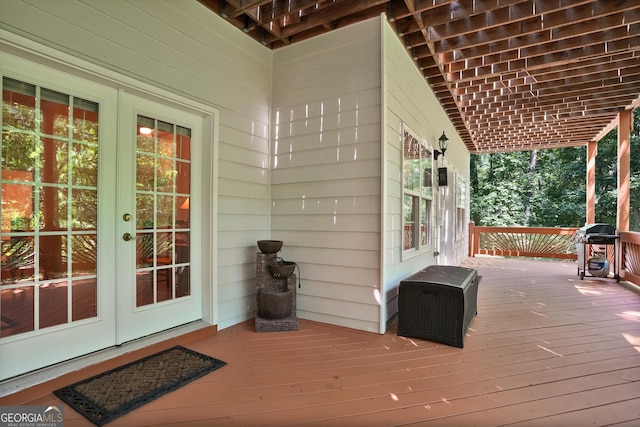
x: 109, y: 395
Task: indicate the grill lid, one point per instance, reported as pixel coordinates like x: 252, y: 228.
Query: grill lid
x: 598, y: 228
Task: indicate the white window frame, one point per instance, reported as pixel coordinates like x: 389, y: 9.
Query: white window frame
x: 418, y: 187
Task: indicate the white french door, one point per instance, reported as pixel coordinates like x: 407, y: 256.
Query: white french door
x: 58, y: 248
x: 157, y: 154
x: 83, y: 164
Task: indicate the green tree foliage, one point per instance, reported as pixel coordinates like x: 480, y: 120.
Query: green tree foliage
x: 496, y: 188
x: 561, y: 191
x: 547, y: 188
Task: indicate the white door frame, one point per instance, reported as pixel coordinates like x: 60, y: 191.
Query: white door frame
x: 31, y: 54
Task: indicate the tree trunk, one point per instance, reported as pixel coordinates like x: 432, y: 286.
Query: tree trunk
x: 530, y: 187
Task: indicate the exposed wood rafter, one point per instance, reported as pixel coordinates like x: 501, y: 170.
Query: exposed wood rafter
x: 511, y: 74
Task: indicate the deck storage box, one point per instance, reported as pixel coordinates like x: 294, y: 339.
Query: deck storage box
x: 438, y: 304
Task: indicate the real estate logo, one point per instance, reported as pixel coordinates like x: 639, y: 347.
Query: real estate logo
x: 31, y: 416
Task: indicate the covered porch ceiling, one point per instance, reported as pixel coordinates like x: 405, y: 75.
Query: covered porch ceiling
x: 511, y: 74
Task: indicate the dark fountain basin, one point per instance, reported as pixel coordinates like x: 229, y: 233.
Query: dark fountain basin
x: 281, y: 269
x: 275, y: 304
x: 269, y: 246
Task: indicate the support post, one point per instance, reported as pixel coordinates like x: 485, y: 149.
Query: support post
x: 592, y: 152
x: 624, y: 165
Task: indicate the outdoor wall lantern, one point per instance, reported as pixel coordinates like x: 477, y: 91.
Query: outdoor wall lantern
x: 442, y: 143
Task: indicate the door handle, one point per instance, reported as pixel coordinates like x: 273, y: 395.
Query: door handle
x: 128, y: 237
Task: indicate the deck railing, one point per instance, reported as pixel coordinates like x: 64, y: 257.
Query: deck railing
x: 549, y: 242
x: 542, y: 242
x: 630, y: 256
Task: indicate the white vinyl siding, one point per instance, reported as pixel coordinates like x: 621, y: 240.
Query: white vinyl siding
x: 409, y: 100
x: 326, y: 172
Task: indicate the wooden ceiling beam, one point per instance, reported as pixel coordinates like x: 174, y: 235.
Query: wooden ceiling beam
x: 432, y: 73
x: 572, y: 110
x: 586, y: 18
x: 623, y: 93
x: 612, y: 27
x: 336, y: 11
x: 520, y: 141
x: 532, y: 140
x: 236, y: 8
x: 598, y: 61
x: 548, y: 125
x: 571, y: 114
x: 517, y: 109
x: 524, y: 99
x: 503, y: 14
x: 566, y: 88
x: 619, y: 67
x: 510, y: 74
x: 543, y: 60
x: 546, y: 54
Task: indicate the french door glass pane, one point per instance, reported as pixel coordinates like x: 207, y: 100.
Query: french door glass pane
x: 162, y: 211
x: 49, y: 208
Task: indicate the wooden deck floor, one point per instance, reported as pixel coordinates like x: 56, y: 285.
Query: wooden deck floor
x: 546, y: 349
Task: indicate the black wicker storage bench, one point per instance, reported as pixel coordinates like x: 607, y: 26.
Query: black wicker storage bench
x: 438, y: 304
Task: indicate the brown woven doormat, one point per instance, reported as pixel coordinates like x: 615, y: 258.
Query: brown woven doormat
x: 109, y: 395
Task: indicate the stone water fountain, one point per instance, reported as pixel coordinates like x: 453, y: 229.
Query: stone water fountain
x: 275, y: 290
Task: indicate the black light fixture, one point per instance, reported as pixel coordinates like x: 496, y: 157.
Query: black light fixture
x: 442, y: 143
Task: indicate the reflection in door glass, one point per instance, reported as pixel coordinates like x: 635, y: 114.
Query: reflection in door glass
x: 49, y: 208
x: 162, y: 211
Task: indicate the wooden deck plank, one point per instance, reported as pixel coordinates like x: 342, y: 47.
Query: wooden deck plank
x: 626, y: 411
x: 546, y: 349
x: 544, y: 411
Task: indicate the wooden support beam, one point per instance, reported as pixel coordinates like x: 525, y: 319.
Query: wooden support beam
x: 624, y: 166
x: 592, y: 152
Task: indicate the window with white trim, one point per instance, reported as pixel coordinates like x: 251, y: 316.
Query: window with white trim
x: 417, y: 206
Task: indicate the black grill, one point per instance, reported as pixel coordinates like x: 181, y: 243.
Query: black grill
x: 594, y: 237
